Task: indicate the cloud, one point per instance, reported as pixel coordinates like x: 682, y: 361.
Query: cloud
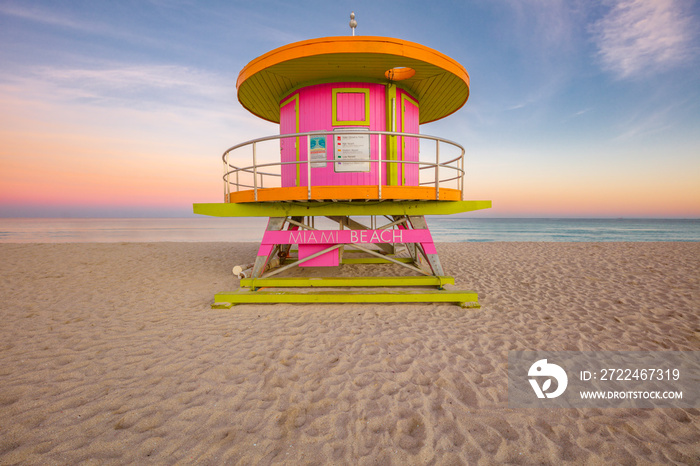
x: 64, y: 20
x: 647, y: 123
x: 639, y: 37
x: 46, y: 17
x: 146, y: 83
x: 550, y: 24
x: 577, y: 114
x: 540, y: 39
x: 145, y: 87
x: 122, y: 102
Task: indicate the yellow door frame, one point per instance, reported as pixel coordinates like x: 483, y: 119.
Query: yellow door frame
x: 391, y: 146
x: 295, y: 98
x: 404, y: 98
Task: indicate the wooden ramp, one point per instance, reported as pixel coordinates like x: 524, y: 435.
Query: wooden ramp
x: 277, y: 290
x: 353, y: 244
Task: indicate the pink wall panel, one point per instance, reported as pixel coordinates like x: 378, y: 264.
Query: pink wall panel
x: 410, y: 146
x: 287, y: 148
x: 315, y: 114
x: 351, y: 106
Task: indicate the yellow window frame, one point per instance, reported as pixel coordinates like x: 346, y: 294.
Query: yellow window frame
x: 350, y: 90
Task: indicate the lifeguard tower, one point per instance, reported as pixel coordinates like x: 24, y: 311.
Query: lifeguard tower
x: 349, y: 152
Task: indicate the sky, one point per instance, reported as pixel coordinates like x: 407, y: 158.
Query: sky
x: 578, y: 108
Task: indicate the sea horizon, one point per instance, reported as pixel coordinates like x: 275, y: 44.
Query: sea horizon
x: 443, y: 229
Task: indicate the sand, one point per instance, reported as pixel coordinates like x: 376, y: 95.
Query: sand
x: 110, y: 354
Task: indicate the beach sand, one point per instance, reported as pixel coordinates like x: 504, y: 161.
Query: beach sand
x: 110, y: 353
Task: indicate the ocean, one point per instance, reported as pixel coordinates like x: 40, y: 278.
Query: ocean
x: 444, y: 229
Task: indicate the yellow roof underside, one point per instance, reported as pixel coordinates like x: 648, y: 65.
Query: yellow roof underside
x: 440, y: 83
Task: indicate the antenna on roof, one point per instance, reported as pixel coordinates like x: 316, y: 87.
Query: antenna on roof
x: 353, y: 23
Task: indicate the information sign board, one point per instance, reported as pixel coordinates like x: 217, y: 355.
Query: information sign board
x: 347, y: 148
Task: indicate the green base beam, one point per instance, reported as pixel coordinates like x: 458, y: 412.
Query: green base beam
x: 362, y: 260
x: 363, y: 208
x: 293, y: 282
x: 466, y: 299
x: 374, y: 260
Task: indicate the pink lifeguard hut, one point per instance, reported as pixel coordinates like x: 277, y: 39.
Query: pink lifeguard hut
x: 350, y: 151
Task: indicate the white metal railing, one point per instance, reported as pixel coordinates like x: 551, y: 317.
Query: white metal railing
x: 232, y: 172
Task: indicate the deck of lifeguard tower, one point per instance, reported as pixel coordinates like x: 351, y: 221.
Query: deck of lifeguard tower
x: 375, y: 182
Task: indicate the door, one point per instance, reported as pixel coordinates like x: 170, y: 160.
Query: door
x: 289, y: 147
x: 409, y: 146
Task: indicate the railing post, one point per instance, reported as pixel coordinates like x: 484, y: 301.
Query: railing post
x: 308, y: 167
x: 255, y: 175
x: 379, y: 165
x: 437, y: 169
x: 226, y: 196
x: 461, y: 177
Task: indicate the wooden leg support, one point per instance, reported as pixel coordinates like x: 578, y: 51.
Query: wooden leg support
x: 427, y: 288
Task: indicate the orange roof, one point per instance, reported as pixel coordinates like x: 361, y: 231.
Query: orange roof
x: 440, y: 83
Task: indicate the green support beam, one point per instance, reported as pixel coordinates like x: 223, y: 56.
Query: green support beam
x: 289, y: 282
x: 299, y: 209
x: 374, y: 260
x: 466, y: 299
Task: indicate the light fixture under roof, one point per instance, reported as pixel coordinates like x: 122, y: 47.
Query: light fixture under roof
x: 399, y: 73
